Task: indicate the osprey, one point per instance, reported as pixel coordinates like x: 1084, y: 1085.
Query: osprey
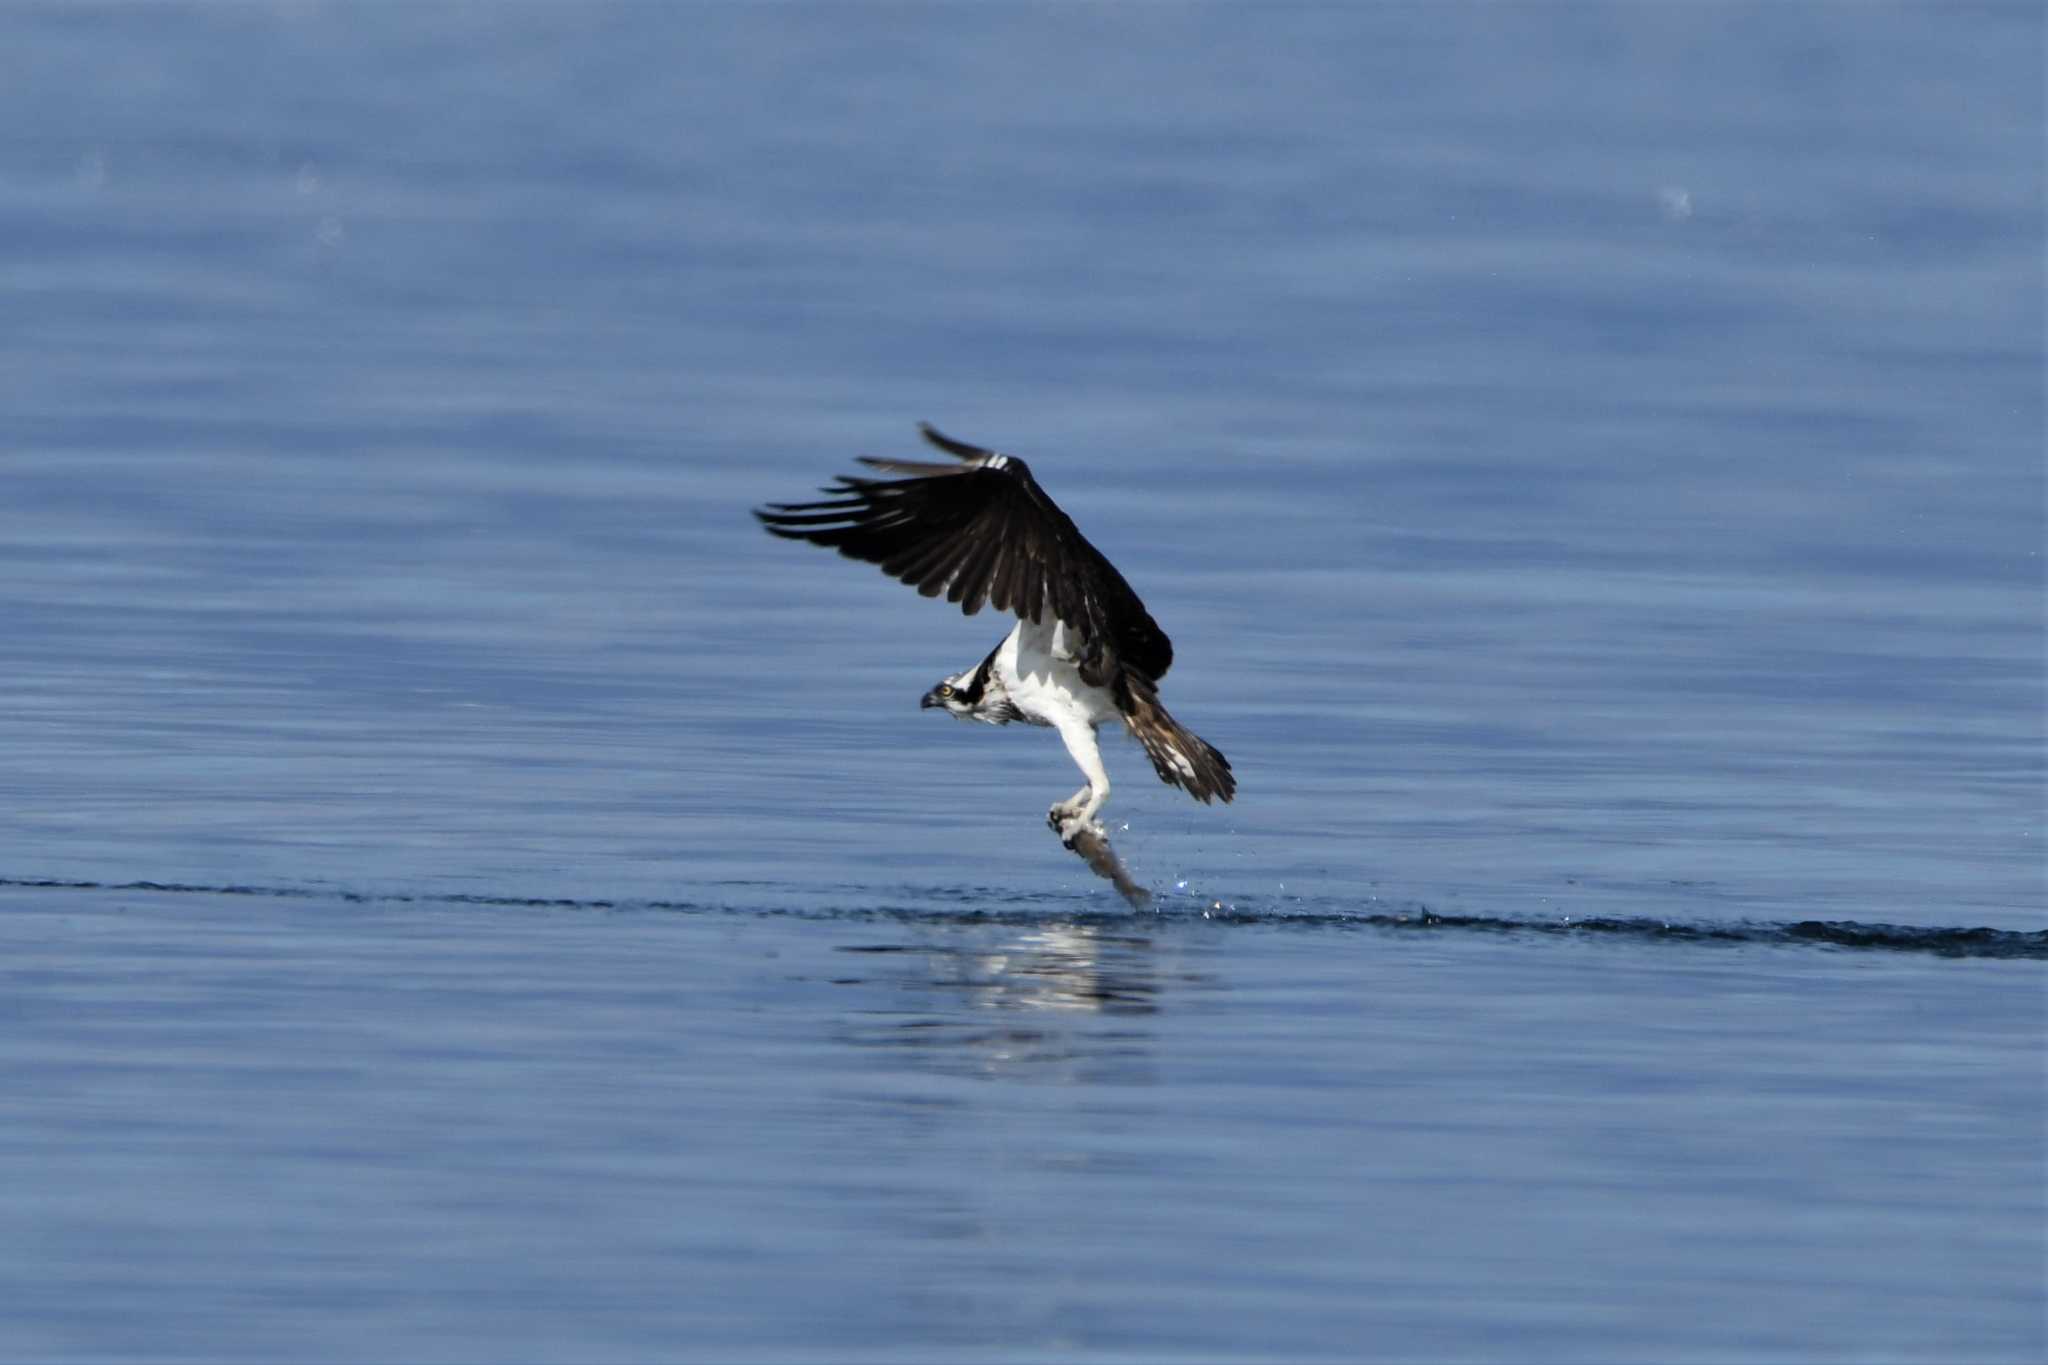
x: 1084, y: 650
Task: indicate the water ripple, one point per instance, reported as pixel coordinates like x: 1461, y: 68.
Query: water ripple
x: 991, y: 906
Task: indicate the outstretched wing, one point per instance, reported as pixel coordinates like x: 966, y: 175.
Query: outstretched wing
x: 982, y: 531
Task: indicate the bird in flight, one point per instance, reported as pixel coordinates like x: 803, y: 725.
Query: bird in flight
x: 1084, y: 650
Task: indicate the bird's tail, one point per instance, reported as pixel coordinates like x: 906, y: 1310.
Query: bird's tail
x: 1181, y: 757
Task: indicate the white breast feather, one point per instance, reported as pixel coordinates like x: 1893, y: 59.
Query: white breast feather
x: 1038, y: 672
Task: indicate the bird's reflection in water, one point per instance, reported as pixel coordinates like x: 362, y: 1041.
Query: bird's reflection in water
x: 1060, y: 999
x: 988, y: 1057
x: 1064, y: 967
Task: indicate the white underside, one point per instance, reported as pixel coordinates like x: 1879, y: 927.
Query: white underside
x: 1036, y: 668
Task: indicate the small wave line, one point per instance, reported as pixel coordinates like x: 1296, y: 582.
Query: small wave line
x: 1939, y: 941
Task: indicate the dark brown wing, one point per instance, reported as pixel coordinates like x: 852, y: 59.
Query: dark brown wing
x: 982, y: 532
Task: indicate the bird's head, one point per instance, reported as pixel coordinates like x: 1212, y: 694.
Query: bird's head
x: 950, y: 694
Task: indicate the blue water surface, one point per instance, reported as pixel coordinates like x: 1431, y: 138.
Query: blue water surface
x: 469, y: 895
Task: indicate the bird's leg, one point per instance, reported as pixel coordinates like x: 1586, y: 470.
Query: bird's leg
x: 1069, y: 817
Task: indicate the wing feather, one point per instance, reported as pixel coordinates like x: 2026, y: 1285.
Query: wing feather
x: 971, y: 582
x: 930, y: 567
x: 916, y: 561
x: 983, y: 533
x: 922, y: 468
x: 958, y: 449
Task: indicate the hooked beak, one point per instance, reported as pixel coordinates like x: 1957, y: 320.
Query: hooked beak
x: 931, y: 699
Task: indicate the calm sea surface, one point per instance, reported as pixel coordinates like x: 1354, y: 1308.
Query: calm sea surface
x: 466, y: 894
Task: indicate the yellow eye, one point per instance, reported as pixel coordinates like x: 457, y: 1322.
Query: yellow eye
x: 945, y: 689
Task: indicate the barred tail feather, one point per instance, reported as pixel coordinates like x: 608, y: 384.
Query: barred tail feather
x: 1181, y: 757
